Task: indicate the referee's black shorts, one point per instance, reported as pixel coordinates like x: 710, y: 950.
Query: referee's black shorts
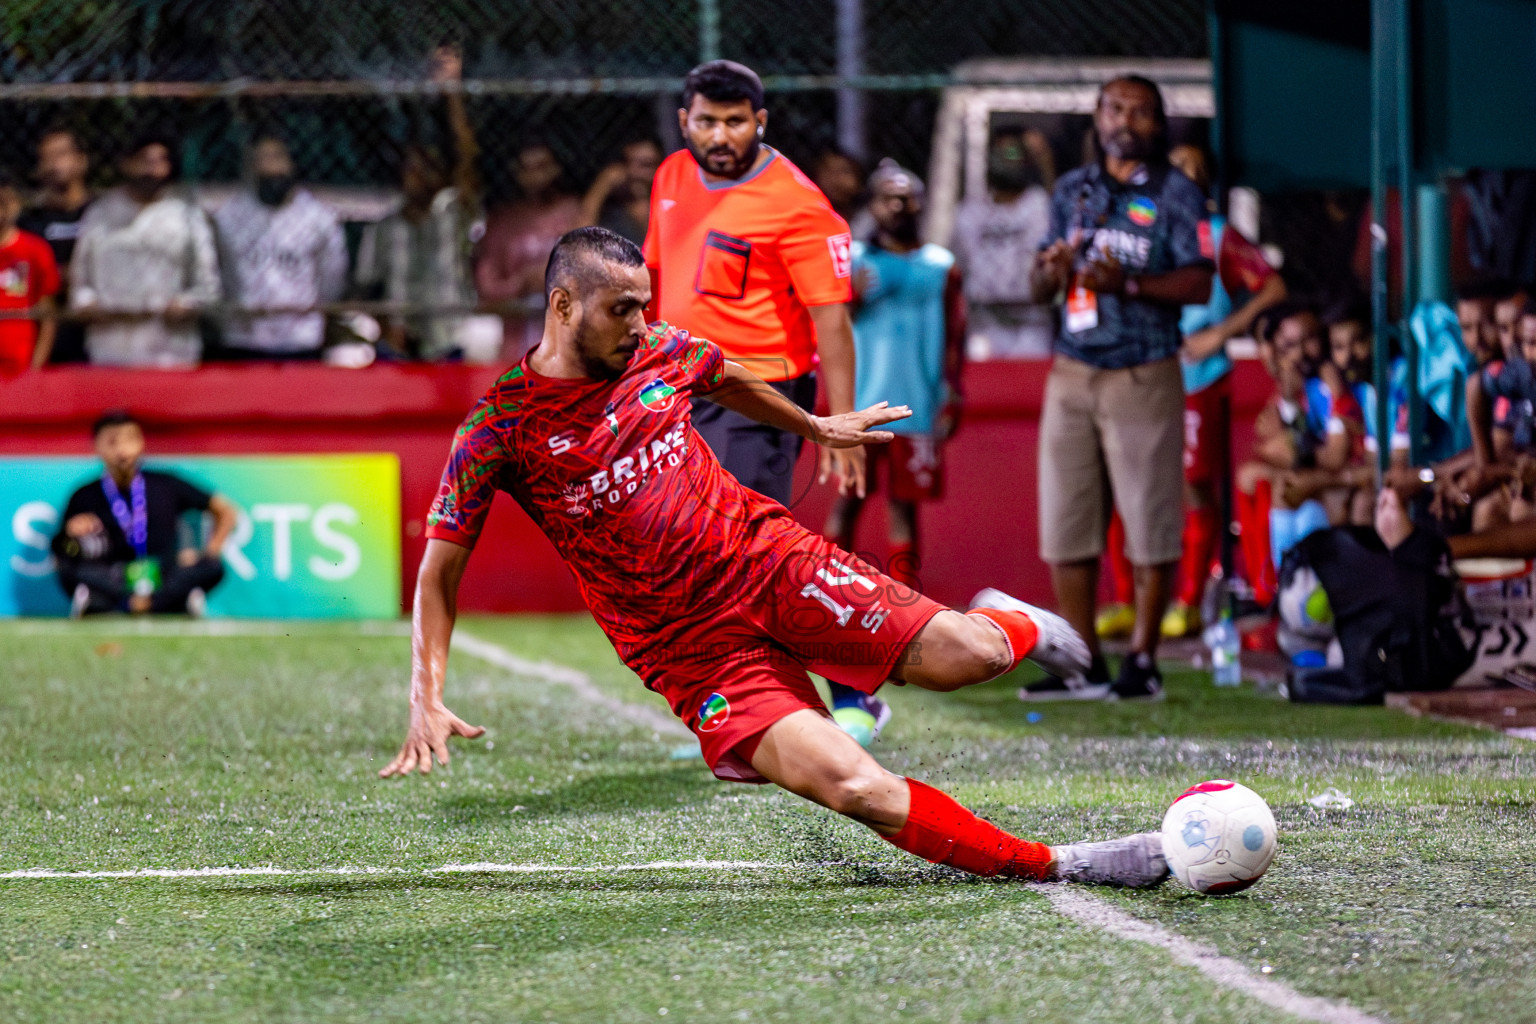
x: 761, y: 457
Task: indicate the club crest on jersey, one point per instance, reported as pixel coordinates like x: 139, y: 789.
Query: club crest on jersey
x: 657, y: 396
x: 611, y: 418
x: 714, y: 713
x: 1142, y: 211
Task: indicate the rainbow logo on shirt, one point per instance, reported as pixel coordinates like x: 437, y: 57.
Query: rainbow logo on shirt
x: 657, y: 396
x: 1142, y: 211
x: 715, y: 713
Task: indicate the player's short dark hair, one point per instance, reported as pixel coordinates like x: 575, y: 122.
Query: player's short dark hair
x: 144, y: 138
x: 8, y: 179
x: 1283, y: 311
x: 579, y: 255
x: 112, y: 418
x: 1347, y: 310
x: 723, y: 81
x: 1485, y: 290
x: 1529, y: 309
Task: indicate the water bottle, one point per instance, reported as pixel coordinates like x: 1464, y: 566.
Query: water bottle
x: 1225, y: 646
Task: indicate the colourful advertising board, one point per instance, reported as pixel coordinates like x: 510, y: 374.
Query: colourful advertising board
x: 319, y: 535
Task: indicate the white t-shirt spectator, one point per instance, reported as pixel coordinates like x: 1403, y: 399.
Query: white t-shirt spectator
x: 995, y: 245
x: 140, y: 258
x: 276, y: 257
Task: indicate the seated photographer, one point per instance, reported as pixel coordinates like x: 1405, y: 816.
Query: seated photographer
x: 118, y: 548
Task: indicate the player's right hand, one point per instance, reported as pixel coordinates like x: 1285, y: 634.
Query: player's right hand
x: 428, y: 737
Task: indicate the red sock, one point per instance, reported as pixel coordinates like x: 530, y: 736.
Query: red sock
x: 1199, y: 543
x: 1018, y: 629
x: 940, y: 831
x: 1122, y: 575
x: 1253, y: 514
x: 901, y: 566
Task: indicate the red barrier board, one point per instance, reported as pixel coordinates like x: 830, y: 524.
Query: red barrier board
x: 983, y: 533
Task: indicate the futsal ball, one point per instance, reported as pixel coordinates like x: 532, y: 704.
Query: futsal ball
x: 1219, y: 837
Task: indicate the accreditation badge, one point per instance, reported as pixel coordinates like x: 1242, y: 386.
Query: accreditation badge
x: 143, y: 576
x: 1082, y: 307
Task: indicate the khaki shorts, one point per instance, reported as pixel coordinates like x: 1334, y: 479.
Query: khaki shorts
x: 1112, y: 435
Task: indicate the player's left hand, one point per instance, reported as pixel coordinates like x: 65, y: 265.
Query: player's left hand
x: 841, y: 438
x: 428, y: 736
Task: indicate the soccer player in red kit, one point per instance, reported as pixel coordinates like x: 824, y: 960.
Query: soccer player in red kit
x: 711, y: 592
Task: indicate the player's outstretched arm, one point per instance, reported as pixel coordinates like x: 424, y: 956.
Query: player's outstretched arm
x: 437, y: 590
x: 743, y: 391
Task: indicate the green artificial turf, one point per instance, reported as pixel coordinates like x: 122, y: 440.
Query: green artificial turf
x: 122, y: 751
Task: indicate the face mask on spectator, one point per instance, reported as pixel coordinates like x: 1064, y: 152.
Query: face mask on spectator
x: 145, y: 186
x: 273, y: 189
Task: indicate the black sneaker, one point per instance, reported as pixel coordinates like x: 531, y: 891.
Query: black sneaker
x: 1139, y: 679
x: 1092, y: 685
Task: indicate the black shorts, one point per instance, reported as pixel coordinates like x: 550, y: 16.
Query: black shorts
x: 759, y: 456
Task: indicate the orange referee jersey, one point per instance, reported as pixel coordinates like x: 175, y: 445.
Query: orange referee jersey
x: 738, y: 262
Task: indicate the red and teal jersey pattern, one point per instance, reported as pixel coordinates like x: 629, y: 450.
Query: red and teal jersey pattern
x: 656, y: 533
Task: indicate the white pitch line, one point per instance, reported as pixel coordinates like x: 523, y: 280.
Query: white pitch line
x: 1225, y: 972
x: 579, y: 682
x: 107, y: 628
x: 47, y: 874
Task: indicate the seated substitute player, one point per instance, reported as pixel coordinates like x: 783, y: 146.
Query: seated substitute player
x: 711, y: 592
x: 118, y: 548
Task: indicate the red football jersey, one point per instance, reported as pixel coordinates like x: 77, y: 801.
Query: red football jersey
x: 656, y: 533
x: 28, y: 274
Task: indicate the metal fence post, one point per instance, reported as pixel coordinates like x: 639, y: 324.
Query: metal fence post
x: 850, y: 66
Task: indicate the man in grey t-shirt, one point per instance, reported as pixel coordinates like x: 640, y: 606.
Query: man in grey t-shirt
x: 144, y: 266
x: 280, y: 248
x: 996, y: 238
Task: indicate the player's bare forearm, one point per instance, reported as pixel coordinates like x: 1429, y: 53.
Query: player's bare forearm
x: 834, y: 346
x: 47, y: 330
x: 1480, y: 419
x: 1271, y: 293
x: 1186, y: 286
x: 225, y: 518
x: 742, y: 391
x: 432, y: 619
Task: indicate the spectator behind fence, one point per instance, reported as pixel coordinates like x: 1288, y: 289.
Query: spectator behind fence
x: 1124, y: 247
x: 518, y: 238
x: 1476, y: 304
x: 279, y: 248
x: 996, y: 238
x: 840, y: 177
x: 29, y: 280
x: 144, y: 266
x: 120, y: 547
x: 909, y: 337
x: 55, y: 217
x: 419, y: 255
x: 620, y: 197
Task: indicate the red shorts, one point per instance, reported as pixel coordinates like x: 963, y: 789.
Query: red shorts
x: 1207, y: 415
x: 912, y: 463
x: 733, y: 674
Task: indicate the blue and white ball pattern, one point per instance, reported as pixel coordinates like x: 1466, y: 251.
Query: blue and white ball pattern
x: 1219, y: 837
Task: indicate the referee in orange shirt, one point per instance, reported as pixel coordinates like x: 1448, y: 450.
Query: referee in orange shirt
x: 746, y: 251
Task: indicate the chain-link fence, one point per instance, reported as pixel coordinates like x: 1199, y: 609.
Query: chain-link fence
x: 353, y: 89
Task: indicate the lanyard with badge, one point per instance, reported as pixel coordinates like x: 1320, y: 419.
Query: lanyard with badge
x: 132, y: 515
x: 1083, y: 304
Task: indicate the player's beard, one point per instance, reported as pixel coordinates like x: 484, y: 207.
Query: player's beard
x: 593, y: 364
x: 743, y: 161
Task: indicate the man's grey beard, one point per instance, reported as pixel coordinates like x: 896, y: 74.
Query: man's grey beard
x: 742, y: 166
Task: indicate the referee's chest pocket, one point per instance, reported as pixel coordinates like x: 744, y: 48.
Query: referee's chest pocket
x: 723, y: 266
